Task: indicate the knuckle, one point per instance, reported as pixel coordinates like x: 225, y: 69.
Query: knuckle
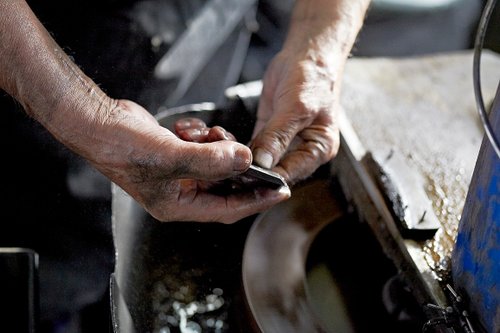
x: 304, y: 109
x: 322, y: 143
x: 214, y: 157
x: 281, y: 139
x: 216, y: 160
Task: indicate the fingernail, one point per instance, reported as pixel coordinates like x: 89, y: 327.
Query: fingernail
x: 217, y: 133
x: 263, y: 158
x: 242, y: 159
x: 183, y: 124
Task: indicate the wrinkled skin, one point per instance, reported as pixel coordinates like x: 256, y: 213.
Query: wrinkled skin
x: 297, y: 128
x: 306, y: 100
x: 195, y: 130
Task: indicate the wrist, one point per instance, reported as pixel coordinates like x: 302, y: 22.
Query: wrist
x: 45, y: 81
x: 325, y: 28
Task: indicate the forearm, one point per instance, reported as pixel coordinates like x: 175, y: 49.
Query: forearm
x: 329, y: 27
x: 167, y: 176
x: 49, y: 86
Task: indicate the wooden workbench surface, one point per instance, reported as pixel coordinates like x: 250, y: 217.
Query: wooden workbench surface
x: 423, y: 110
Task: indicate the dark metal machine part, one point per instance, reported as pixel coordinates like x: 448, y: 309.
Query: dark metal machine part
x: 273, y: 273
x: 314, y: 230
x: 183, y: 263
x: 19, y: 290
x: 404, y: 194
x: 161, y: 266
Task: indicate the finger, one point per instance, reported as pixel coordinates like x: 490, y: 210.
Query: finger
x: 196, y: 205
x: 319, y: 145
x: 263, y: 115
x: 211, y: 161
x: 199, y: 135
x: 218, y: 133
x: 205, y: 134
x: 271, y: 143
x: 186, y: 123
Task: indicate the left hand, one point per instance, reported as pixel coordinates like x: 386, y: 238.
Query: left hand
x: 296, y: 128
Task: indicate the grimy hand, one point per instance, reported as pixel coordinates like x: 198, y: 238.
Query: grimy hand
x: 168, y: 176
x: 296, y: 128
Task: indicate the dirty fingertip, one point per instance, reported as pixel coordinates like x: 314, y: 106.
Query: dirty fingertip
x: 242, y: 159
x: 263, y: 158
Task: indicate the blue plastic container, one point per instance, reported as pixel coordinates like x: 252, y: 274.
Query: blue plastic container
x: 476, y: 256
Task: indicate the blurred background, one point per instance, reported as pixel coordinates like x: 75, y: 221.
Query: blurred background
x: 59, y: 207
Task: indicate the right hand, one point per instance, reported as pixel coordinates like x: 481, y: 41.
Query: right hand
x: 168, y: 176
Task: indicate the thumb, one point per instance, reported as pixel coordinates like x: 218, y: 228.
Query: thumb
x: 272, y: 142
x: 213, y: 161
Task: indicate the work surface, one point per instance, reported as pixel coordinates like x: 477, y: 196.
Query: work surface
x: 422, y: 111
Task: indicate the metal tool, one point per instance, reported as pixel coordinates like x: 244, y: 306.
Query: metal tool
x: 263, y: 177
x: 251, y: 179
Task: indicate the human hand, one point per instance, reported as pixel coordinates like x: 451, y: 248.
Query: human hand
x: 195, y: 130
x: 169, y: 176
x: 296, y: 129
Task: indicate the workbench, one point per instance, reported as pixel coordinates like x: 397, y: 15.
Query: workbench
x: 421, y: 112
